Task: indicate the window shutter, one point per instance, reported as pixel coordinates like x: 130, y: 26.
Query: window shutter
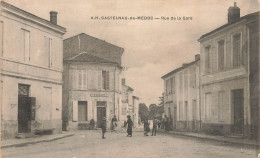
x: 99, y: 79
x: 107, y: 80
x: 75, y: 111
x: 85, y: 79
x: 74, y: 79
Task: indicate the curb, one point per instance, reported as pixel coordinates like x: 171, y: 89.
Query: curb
x: 212, y: 139
x: 35, y: 142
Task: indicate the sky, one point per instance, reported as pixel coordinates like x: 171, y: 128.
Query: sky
x: 152, y: 48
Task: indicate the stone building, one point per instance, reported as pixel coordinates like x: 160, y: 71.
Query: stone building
x: 130, y: 104
x: 92, y: 81
x: 182, y: 96
x: 230, y: 75
x: 31, y: 72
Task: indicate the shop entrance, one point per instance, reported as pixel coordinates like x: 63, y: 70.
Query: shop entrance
x: 101, y: 112
x: 238, y: 108
x: 26, y: 109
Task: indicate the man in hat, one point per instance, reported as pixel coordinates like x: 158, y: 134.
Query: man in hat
x: 155, y: 123
x: 103, y: 127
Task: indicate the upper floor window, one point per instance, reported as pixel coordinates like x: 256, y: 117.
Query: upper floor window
x: 169, y: 86
x: 236, y: 45
x: 208, y: 64
x: 180, y: 81
x: 26, y: 45
x: 221, y: 55
x: 105, y: 80
x: 82, y: 79
x: 193, y: 77
x: 48, y: 46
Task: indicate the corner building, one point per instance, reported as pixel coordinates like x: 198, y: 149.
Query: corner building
x: 31, y: 72
x: 228, y: 96
x: 92, y: 82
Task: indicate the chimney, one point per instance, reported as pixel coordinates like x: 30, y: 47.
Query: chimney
x: 197, y: 57
x: 233, y: 13
x: 123, y: 81
x: 53, y: 17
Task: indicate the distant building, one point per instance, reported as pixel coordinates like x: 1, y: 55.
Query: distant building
x: 130, y: 104
x: 92, y: 81
x: 182, y: 96
x: 31, y: 72
x: 230, y: 76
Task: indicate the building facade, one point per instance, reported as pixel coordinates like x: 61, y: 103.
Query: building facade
x: 229, y: 59
x: 31, y: 72
x: 182, y: 96
x: 92, y: 82
x: 130, y: 104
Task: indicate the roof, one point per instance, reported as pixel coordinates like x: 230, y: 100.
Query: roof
x: 32, y: 16
x: 248, y: 16
x: 135, y: 97
x: 128, y: 87
x: 100, y: 48
x: 86, y: 57
x: 180, y: 68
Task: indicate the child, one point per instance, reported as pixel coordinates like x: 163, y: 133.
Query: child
x: 103, y: 127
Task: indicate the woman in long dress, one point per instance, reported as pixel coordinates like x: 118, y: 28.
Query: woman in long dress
x: 129, y: 126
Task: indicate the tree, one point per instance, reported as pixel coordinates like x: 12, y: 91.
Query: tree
x: 143, y: 111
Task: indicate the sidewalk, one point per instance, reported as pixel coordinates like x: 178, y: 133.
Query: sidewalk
x: 224, y: 139
x: 38, y: 139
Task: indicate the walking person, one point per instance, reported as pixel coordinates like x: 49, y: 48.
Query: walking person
x: 146, y: 127
x: 155, y: 123
x: 103, y: 127
x: 114, y: 123
x: 129, y: 124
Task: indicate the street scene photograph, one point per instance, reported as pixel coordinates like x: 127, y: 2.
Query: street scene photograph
x: 130, y: 79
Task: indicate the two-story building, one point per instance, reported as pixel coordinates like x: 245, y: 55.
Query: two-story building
x: 182, y: 96
x: 92, y: 81
x: 31, y: 72
x: 130, y: 104
x: 229, y: 75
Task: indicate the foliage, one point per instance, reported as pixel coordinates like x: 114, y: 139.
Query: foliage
x: 143, y: 111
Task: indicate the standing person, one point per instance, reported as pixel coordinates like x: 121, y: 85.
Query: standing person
x: 166, y: 123
x: 146, y: 127
x: 129, y: 126
x: 155, y: 123
x: 103, y: 127
x: 114, y: 123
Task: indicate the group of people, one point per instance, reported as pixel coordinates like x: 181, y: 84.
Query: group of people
x: 129, y: 125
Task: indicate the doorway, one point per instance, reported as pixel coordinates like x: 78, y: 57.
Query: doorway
x: 24, y: 109
x: 101, y: 112
x: 238, y: 110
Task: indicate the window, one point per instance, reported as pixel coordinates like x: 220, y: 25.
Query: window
x: 23, y: 89
x: 220, y: 105
x: 180, y: 81
x: 207, y: 105
x: 1, y: 37
x: 48, y: 46
x: 193, y: 78
x: 105, y: 80
x: 186, y: 80
x: 173, y: 85
x: 169, y: 83
x: 180, y: 111
x: 82, y: 111
x: 82, y: 79
x: 221, y: 55
x: 236, y: 50
x: 26, y: 45
x: 207, y: 60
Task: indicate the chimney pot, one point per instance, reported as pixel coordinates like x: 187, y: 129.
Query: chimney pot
x: 53, y: 17
x: 123, y: 81
x: 233, y: 13
x: 197, y: 57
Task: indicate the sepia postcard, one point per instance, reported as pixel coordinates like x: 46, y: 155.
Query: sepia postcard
x: 130, y: 79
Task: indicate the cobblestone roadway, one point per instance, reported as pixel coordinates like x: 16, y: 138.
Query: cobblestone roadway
x: 88, y: 144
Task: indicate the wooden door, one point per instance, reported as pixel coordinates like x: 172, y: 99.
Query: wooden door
x: 101, y: 112
x: 238, y: 104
